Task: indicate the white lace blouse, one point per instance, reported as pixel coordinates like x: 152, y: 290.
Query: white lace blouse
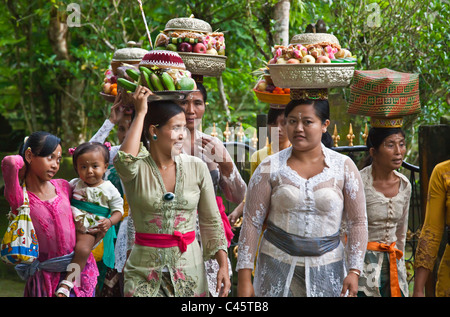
x: 314, y: 207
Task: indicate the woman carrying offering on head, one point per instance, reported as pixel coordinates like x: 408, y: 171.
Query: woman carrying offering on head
x: 304, y: 193
x: 165, y: 190
x: 387, y: 199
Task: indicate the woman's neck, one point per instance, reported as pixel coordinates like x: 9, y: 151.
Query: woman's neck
x: 285, y: 145
x: 309, y: 156
x: 381, y: 173
x: 162, y: 160
x: 43, y: 189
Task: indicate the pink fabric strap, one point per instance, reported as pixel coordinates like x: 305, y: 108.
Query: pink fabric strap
x: 155, y: 240
x: 226, y: 223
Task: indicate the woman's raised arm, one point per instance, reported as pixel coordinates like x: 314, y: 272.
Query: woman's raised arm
x: 131, y: 143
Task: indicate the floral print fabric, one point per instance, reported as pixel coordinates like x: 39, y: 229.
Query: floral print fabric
x: 151, y: 214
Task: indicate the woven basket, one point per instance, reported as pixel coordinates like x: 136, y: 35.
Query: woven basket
x: 384, y: 93
x: 384, y: 106
x: 279, y: 99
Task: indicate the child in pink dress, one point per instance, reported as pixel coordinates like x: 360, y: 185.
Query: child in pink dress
x: 96, y: 207
x: 50, y: 212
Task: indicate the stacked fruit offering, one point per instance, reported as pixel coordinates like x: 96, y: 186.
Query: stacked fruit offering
x: 266, y: 91
x: 109, y: 85
x: 323, y: 52
x: 267, y: 86
x: 157, y: 79
x: 190, y: 35
x: 192, y: 42
x: 159, y: 71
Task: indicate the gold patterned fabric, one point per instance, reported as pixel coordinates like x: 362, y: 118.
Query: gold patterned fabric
x: 436, y: 218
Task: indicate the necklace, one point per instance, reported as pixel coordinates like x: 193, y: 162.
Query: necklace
x: 164, y: 167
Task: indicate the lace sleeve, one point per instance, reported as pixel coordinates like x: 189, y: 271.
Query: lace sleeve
x: 355, y: 216
x: 103, y: 132
x: 257, y: 203
x: 233, y: 186
x: 210, y: 223
x: 101, y: 136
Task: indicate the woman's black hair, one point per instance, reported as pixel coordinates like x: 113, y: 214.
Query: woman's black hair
x: 89, y: 147
x: 158, y: 114
x: 41, y: 143
x: 376, y: 137
x: 322, y: 108
x: 202, y: 90
x: 273, y: 115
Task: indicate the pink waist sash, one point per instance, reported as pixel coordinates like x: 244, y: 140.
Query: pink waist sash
x: 155, y: 240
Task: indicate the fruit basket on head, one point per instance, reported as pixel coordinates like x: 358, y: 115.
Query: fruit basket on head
x: 163, y: 72
x: 310, y: 64
x: 123, y: 58
x: 202, y: 50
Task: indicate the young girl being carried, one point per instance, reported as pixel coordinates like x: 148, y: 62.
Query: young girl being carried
x: 96, y: 206
x: 49, y: 200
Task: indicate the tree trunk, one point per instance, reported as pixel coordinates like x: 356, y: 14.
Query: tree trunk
x: 281, y: 16
x: 69, y: 107
x: 223, y: 96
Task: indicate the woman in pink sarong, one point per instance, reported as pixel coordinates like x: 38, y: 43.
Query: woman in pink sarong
x: 50, y: 212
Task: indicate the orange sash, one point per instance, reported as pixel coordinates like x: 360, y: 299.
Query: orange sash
x: 393, y: 254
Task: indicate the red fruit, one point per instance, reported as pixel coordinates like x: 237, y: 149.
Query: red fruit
x: 200, y: 48
x: 270, y: 88
x: 293, y: 61
x: 113, y: 79
x: 185, y: 47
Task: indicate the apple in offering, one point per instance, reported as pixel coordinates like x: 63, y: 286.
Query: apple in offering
x: 191, y: 42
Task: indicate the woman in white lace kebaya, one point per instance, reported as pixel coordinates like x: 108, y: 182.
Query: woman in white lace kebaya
x: 387, y: 197
x: 303, y: 194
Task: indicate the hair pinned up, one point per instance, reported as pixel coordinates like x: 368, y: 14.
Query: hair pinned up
x: 41, y: 143
x: 322, y: 109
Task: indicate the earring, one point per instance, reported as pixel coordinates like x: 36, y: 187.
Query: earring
x: 155, y: 137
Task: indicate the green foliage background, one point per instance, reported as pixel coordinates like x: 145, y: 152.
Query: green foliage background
x: 43, y: 89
